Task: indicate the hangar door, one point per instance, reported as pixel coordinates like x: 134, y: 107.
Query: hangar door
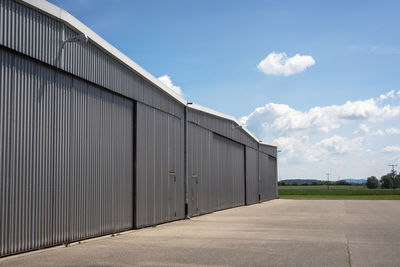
x: 268, y: 177
x: 216, y: 171
x: 66, y: 157
x: 159, y: 186
x: 228, y: 172
x: 202, y: 189
x: 252, y: 178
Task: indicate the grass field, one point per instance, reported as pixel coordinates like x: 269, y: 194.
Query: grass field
x: 337, y: 192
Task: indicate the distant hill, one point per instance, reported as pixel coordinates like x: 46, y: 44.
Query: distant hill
x: 300, y: 181
x: 310, y: 181
x: 356, y: 181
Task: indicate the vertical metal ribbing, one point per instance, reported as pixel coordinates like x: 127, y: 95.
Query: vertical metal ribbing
x: 12, y: 242
x: 251, y: 176
x: 58, y: 161
x: 5, y: 147
x: 39, y: 36
x: 44, y: 160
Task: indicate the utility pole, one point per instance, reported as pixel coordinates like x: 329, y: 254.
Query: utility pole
x: 327, y: 175
x: 392, y: 165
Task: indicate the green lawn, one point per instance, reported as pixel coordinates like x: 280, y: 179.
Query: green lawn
x: 337, y: 192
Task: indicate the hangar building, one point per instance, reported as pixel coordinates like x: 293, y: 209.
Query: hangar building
x: 93, y: 144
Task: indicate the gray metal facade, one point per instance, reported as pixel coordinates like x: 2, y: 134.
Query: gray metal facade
x: 66, y: 153
x: 220, y: 126
x: 89, y: 146
x: 216, y: 171
x: 160, y: 180
x: 268, y: 174
x: 252, y: 194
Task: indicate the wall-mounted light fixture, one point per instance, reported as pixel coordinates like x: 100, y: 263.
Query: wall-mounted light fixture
x: 81, y: 38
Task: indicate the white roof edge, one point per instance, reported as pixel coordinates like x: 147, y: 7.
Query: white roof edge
x: 65, y: 17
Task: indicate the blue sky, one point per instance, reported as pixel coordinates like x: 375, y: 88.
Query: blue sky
x: 348, y: 52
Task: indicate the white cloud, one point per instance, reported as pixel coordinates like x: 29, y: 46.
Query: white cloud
x: 340, y: 145
x: 280, y: 64
x: 393, y: 130
x: 390, y: 94
x: 298, y: 150
x: 390, y: 149
x: 388, y: 131
x: 165, y: 79
x: 284, y: 120
x: 314, y: 140
x: 365, y: 129
x: 301, y: 149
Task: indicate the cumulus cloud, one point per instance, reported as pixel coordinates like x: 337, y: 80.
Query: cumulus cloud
x: 281, y: 64
x: 390, y: 94
x: 391, y: 131
x: 388, y: 131
x: 301, y: 149
x: 320, y: 134
x: 284, y: 120
x: 165, y: 79
x: 340, y: 145
x: 390, y: 149
x: 362, y: 129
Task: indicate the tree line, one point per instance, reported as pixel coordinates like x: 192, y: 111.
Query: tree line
x: 387, y: 181
x: 317, y: 182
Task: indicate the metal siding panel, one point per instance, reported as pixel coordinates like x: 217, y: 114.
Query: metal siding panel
x: 127, y: 165
x: 172, y: 152
x: 141, y: 156
x: 159, y: 198
x: 180, y: 207
x: 54, y: 155
x: 218, y: 165
x: 6, y: 118
x: 267, y: 177
x: 158, y: 167
x: 272, y: 178
x: 164, y: 167
x: 230, y: 172
x: 251, y: 176
x: 77, y: 187
x: 221, y: 126
x: 150, y: 132
x: 269, y: 150
x: 41, y: 37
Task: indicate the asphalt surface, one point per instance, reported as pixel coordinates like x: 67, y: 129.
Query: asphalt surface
x: 274, y: 233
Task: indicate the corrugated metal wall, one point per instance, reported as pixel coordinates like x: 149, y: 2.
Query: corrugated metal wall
x: 228, y: 162
x: 251, y: 176
x: 67, y: 145
x: 220, y: 126
x: 202, y: 181
x: 268, y: 177
x: 39, y: 36
x: 160, y: 182
x: 66, y: 154
x: 216, y: 171
x: 268, y: 149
